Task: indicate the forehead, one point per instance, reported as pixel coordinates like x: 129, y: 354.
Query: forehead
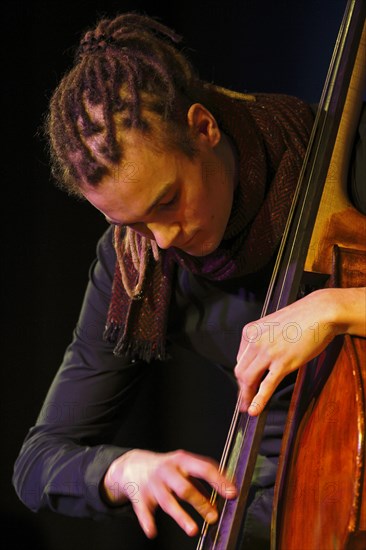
x: 142, y: 157
x: 136, y: 181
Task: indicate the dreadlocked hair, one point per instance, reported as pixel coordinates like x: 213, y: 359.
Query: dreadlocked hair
x: 128, y: 74
x: 124, y: 68
x: 126, y: 241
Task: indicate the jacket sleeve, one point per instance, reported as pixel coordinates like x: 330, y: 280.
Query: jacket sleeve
x: 66, y: 454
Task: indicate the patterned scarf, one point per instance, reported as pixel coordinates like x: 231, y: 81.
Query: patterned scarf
x: 270, y: 133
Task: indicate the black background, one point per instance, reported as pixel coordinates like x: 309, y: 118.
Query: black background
x: 48, y: 239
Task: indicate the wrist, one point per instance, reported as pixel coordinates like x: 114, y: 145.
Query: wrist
x: 344, y: 310
x: 111, y: 487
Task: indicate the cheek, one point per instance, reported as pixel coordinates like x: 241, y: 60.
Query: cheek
x: 204, y: 209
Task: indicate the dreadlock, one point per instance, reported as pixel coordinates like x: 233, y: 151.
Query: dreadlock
x: 122, y: 67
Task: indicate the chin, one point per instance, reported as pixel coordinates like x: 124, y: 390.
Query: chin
x: 200, y: 250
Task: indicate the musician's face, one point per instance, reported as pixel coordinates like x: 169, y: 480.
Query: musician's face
x: 164, y: 195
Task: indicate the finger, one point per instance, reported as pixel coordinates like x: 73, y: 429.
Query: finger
x: 170, y: 505
x: 257, y: 405
x: 227, y: 489
x: 208, y: 470
x: 265, y: 392
x: 245, y: 354
x: 146, y: 519
x: 187, y: 490
x: 249, y: 382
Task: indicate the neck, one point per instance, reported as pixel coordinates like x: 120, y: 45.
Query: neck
x: 230, y: 160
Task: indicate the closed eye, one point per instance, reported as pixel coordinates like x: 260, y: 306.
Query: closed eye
x: 171, y: 202
x: 162, y: 205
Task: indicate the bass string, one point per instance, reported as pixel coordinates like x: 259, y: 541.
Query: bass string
x: 222, y: 466
x: 314, y: 141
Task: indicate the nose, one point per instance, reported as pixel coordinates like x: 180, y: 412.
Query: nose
x: 164, y: 234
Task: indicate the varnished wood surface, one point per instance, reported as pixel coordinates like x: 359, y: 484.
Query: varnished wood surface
x: 321, y: 486
x: 322, y: 503
x: 337, y: 220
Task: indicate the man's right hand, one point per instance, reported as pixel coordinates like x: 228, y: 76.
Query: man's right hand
x: 150, y: 479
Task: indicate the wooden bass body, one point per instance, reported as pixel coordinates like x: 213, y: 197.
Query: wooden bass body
x: 320, y: 496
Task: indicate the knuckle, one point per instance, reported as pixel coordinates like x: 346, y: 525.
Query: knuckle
x: 246, y: 380
x: 179, y: 455
x: 248, y: 328
x: 202, y: 505
x: 251, y: 333
x: 274, y: 375
x: 160, y: 469
x: 238, y: 371
x: 165, y: 505
x: 183, y: 489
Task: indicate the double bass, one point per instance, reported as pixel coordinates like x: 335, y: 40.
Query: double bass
x: 320, y: 491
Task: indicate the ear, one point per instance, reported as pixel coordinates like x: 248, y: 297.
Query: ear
x: 203, y: 124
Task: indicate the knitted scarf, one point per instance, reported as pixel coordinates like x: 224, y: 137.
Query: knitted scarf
x: 270, y: 132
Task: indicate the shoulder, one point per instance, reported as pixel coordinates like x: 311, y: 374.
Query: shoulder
x: 105, y: 247
x: 104, y: 263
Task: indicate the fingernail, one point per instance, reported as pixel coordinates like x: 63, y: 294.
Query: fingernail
x: 231, y: 491
x: 190, y: 529
x: 253, y: 408
x: 150, y: 531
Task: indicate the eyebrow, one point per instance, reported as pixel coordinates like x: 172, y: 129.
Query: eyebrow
x: 149, y: 209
